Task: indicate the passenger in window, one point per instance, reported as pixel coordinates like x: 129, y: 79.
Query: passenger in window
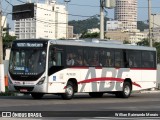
x: 52, y: 61
x: 85, y: 63
x: 109, y: 62
x: 79, y: 61
x: 70, y: 61
x: 94, y: 61
x: 132, y: 62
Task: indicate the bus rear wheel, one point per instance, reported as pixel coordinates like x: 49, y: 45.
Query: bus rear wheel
x: 69, y: 92
x: 96, y: 94
x: 126, y: 92
x: 37, y: 95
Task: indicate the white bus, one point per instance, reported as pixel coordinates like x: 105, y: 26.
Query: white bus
x: 65, y: 67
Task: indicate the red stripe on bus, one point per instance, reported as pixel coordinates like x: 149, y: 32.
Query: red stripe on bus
x: 134, y: 83
x: 106, y: 79
x: 101, y: 79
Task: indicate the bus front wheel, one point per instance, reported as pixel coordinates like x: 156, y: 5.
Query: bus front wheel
x: 37, y: 95
x: 126, y: 92
x: 69, y: 92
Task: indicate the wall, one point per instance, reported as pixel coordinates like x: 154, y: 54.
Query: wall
x: 6, y: 63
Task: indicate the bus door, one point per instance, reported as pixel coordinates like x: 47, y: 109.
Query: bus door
x: 55, y: 61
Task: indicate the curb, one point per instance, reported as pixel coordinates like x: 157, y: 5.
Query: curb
x: 151, y: 91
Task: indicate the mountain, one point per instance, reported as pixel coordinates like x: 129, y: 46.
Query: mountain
x: 141, y: 25
x: 81, y: 26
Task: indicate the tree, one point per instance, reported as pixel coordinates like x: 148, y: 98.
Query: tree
x: 126, y: 42
x: 141, y: 25
x: 144, y: 42
x: 90, y: 35
x: 157, y: 46
x: 7, y: 40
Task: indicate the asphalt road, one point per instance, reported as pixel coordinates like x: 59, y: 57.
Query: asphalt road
x: 91, y: 107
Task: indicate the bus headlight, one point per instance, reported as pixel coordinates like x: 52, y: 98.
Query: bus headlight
x: 41, y: 81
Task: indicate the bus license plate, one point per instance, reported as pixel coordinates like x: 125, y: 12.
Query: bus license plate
x: 23, y: 90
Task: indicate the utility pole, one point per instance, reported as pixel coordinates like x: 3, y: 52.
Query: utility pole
x: 2, y: 85
x: 66, y: 4
x: 102, y: 19
x: 1, y: 42
x: 149, y: 20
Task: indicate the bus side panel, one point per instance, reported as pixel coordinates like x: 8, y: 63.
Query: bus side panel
x: 58, y: 81
x: 149, y: 78
x: 135, y: 76
x: 102, y: 79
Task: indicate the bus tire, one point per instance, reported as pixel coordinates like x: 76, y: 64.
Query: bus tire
x: 96, y: 94
x: 126, y: 92
x: 69, y: 92
x: 37, y: 95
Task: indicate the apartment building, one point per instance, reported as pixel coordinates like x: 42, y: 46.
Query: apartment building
x: 122, y: 35
x: 113, y: 25
x: 126, y: 12
x: 4, y: 24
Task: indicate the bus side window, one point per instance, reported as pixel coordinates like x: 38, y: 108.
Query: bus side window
x: 134, y: 59
x: 148, y: 59
x: 52, y: 59
x: 118, y: 59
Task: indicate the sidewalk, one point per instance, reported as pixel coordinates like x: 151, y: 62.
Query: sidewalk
x: 153, y: 90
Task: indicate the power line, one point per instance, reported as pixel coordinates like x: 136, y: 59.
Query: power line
x: 21, y: 1
x: 59, y: 12
x: 48, y: 22
x: 83, y: 5
x: 63, y: 13
x: 9, y: 2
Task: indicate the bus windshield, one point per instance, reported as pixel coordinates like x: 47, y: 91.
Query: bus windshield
x: 25, y: 61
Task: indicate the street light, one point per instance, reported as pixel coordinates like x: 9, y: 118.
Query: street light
x: 66, y: 4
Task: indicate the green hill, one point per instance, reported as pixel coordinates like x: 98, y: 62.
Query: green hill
x: 81, y: 26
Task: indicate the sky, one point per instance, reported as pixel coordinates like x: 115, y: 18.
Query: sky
x: 87, y: 8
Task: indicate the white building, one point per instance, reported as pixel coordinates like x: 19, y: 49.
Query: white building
x: 12, y: 33
x: 126, y: 12
x: 155, y: 25
x: 4, y: 24
x: 93, y: 30
x: 156, y: 34
x: 113, y: 25
x: 135, y: 37
x: 155, y: 20
x: 131, y: 36
x: 49, y: 22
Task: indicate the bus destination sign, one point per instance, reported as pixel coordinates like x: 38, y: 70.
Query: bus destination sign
x: 29, y: 44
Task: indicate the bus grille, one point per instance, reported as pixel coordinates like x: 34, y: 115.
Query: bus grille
x: 27, y: 88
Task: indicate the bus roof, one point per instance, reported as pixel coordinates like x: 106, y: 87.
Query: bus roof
x: 103, y: 44
x: 92, y: 43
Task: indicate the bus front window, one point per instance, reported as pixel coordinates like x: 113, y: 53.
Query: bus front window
x: 27, y: 61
